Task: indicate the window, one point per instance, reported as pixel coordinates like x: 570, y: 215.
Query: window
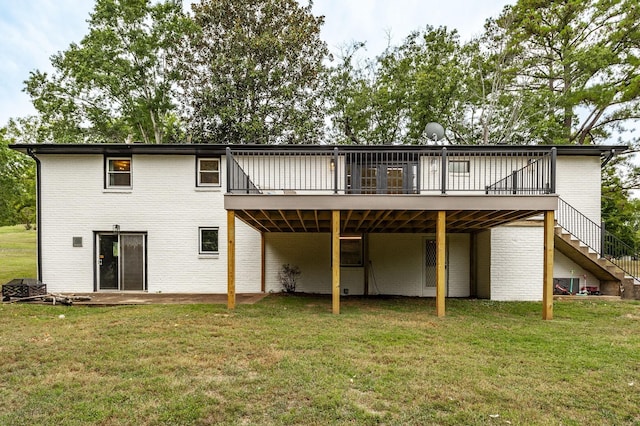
x: 208, y: 240
x: 459, y: 166
x: 118, y: 173
x: 208, y: 172
x: 351, y: 250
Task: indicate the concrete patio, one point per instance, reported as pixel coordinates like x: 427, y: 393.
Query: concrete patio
x: 142, y: 298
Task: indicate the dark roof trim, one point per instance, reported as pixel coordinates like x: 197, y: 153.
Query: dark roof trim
x: 216, y: 149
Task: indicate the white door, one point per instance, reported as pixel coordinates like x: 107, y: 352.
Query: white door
x: 429, y: 273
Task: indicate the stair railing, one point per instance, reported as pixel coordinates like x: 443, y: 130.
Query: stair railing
x: 598, y: 239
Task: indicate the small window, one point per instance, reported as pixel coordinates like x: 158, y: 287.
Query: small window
x: 208, y: 172
x: 118, y: 172
x: 208, y: 240
x: 459, y: 166
x: 351, y: 250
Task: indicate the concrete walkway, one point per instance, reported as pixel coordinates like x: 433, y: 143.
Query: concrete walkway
x: 141, y: 298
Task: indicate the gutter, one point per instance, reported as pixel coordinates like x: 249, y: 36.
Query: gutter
x: 609, y: 157
x: 30, y: 153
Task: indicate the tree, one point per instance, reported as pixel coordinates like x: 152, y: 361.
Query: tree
x: 392, y: 99
x: 253, y: 72
x: 118, y: 83
x: 620, y: 211
x: 17, y: 184
x: 578, y: 64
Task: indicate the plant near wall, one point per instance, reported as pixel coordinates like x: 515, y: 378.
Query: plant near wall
x: 289, y: 277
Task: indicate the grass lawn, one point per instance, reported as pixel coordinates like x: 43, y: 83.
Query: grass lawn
x: 288, y: 360
x: 17, y: 253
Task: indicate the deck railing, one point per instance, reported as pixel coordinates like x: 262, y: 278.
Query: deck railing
x: 598, y: 239
x: 390, y: 170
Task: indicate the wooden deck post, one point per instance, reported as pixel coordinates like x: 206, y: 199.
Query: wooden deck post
x: 547, y: 286
x: 335, y: 260
x: 440, y: 263
x: 231, y: 259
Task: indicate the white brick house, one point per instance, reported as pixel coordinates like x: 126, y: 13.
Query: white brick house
x: 155, y: 218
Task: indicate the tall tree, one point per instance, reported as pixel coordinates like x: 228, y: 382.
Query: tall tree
x: 253, y: 72
x: 392, y: 99
x: 117, y: 84
x: 579, y: 66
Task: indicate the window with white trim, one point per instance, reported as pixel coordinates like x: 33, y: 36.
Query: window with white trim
x: 118, y: 173
x: 209, y: 240
x: 208, y: 172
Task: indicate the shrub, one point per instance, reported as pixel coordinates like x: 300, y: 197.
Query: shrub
x: 288, y: 277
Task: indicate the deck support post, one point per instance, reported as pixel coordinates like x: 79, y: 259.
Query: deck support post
x: 231, y: 259
x: 440, y: 263
x: 335, y: 260
x: 547, y: 286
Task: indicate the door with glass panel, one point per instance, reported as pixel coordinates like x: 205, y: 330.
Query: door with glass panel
x: 430, y: 263
x: 121, y: 262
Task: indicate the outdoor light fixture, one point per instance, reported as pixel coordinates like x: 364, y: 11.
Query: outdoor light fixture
x: 116, y: 229
x: 332, y: 164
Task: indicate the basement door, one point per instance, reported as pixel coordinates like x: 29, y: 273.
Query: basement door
x: 429, y: 273
x: 121, y: 262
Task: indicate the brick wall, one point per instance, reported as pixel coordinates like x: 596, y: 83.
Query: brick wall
x: 164, y: 203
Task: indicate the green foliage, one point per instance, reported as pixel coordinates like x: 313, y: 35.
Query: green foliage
x: 620, y: 212
x: 392, y: 99
x: 252, y: 72
x: 116, y: 85
x: 17, y: 185
x: 578, y: 64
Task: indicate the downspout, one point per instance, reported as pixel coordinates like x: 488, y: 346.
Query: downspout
x: 612, y: 154
x: 31, y: 154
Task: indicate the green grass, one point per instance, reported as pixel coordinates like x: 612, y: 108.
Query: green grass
x: 17, y: 253
x: 288, y: 360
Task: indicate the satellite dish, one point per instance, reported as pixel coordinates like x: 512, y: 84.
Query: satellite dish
x: 434, y: 131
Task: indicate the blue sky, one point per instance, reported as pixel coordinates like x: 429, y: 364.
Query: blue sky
x: 33, y: 30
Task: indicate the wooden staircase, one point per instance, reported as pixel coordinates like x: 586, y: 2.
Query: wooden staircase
x: 613, y: 280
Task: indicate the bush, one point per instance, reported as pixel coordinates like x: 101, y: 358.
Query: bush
x: 288, y: 277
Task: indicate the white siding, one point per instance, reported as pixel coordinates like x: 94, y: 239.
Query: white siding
x: 396, y: 264
x: 483, y: 262
x: 311, y: 252
x: 164, y: 203
x: 578, y: 183
x: 516, y: 263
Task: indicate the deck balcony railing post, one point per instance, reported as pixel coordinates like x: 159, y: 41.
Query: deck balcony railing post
x: 554, y: 157
x: 335, y: 170
x: 603, y: 236
x: 229, y: 162
x: 514, y: 181
x: 443, y: 174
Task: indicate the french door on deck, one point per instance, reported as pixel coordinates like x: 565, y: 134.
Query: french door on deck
x: 121, y: 262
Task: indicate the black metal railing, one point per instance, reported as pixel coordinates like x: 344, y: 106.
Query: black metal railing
x: 598, y: 239
x: 536, y: 177
x: 390, y: 170
x: 237, y: 179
